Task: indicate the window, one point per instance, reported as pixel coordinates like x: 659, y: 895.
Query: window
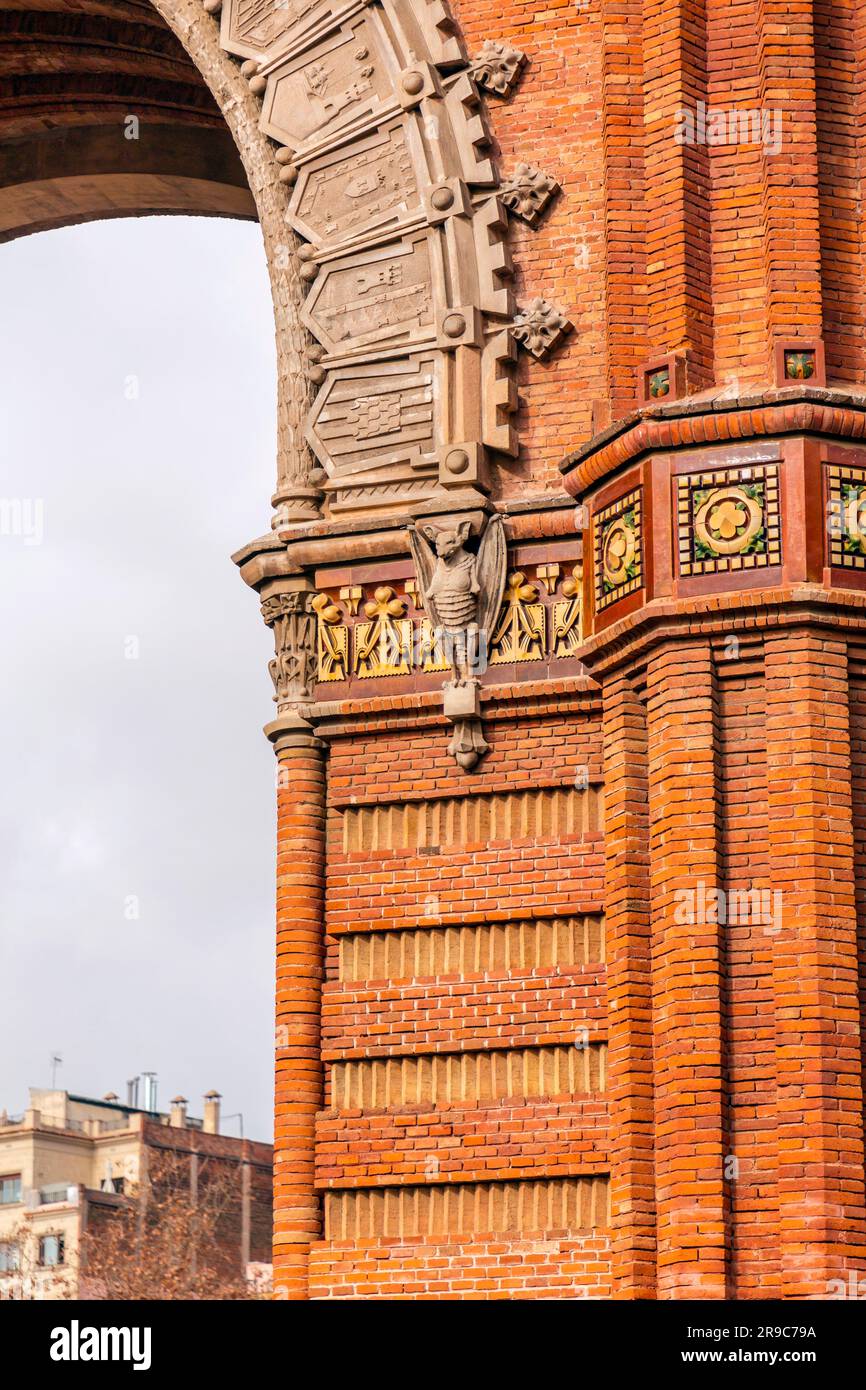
x: 51, y: 1251
x: 10, y: 1188
x: 9, y: 1256
x: 112, y: 1185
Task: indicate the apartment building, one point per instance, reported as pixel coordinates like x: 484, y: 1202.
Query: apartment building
x: 69, y: 1161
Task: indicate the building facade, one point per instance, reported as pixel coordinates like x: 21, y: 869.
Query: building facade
x: 566, y: 581
x: 70, y: 1163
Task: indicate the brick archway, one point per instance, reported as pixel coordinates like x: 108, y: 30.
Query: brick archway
x: 103, y: 114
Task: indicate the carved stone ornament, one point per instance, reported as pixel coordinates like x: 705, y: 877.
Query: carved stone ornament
x: 293, y: 618
x: 527, y: 192
x: 540, y: 327
x: 385, y: 151
x: 519, y: 634
x: 383, y: 644
x: 462, y: 592
x: 567, y: 615
x: 333, y: 648
x: 497, y: 66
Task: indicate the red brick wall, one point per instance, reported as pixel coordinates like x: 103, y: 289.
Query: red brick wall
x: 550, y: 1266
x: 714, y: 249
x: 530, y: 1050
x: 299, y: 1073
x: 553, y: 121
x: 819, y: 1113
x: 627, y: 917
x: 748, y: 993
x: 738, y: 299
x: 467, y: 1050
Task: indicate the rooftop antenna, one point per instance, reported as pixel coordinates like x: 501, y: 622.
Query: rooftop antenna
x: 238, y: 1115
x: 56, y: 1061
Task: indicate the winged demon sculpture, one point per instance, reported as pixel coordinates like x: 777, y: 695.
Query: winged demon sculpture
x: 463, y: 592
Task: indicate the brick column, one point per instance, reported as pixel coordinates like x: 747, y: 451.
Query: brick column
x: 686, y: 972
x: 300, y: 967
x: 630, y: 1041
x: 819, y: 1083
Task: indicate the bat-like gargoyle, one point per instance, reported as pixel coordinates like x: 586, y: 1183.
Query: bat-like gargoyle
x: 463, y: 595
x: 462, y: 591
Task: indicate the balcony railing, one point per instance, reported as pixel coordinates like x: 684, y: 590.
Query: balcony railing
x: 57, y: 1192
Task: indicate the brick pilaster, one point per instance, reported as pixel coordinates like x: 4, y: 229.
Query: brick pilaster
x: 790, y: 203
x: 630, y: 1041
x: 819, y: 1082
x: 840, y: 67
x: 300, y: 966
x: 679, y: 301
x: 624, y: 212
x: 688, y: 1028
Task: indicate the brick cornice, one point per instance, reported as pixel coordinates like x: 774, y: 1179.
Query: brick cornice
x: 690, y: 424
x: 630, y: 640
x: 338, y: 718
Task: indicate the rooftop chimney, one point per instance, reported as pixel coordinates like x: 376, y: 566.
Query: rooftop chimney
x: 149, y: 1100
x: 111, y: 1097
x: 211, y: 1123
x: 178, y: 1112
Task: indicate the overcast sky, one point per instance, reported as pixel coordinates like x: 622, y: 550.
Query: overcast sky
x: 137, y: 430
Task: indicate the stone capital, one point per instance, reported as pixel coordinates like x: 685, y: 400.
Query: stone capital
x: 288, y: 609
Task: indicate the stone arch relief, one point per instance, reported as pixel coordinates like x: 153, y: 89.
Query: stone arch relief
x: 383, y: 140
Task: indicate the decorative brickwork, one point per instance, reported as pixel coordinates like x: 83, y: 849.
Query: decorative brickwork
x: 618, y: 550
x: 846, y: 522
x: 728, y: 520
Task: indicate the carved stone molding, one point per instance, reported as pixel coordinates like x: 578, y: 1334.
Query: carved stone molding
x: 333, y: 644
x: 381, y: 632
x: 385, y: 146
x: 384, y: 641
